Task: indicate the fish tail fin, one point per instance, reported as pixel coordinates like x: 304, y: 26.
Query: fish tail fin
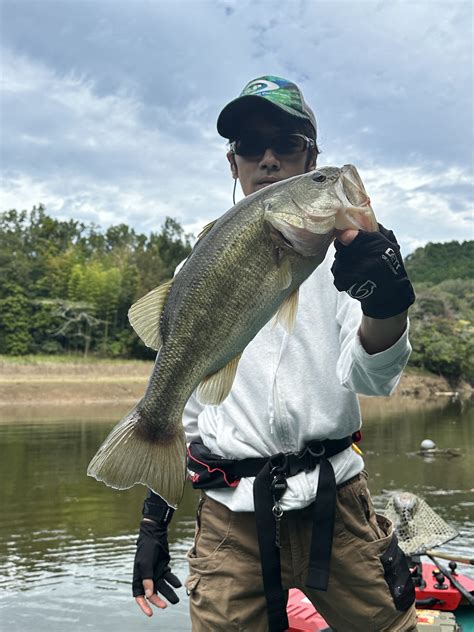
x: 128, y: 456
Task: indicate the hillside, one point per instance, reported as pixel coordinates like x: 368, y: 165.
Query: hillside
x: 442, y: 319
x: 438, y: 262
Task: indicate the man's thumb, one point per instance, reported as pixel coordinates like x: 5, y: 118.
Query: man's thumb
x: 346, y: 236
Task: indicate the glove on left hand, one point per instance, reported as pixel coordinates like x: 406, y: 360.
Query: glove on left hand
x: 370, y: 269
x: 152, y: 560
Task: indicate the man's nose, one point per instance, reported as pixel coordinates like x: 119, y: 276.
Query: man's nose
x: 269, y: 160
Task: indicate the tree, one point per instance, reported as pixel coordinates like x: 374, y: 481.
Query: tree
x: 78, y: 280
x: 445, y: 347
x: 436, y: 262
x: 78, y: 323
x: 15, y: 336
x: 173, y: 244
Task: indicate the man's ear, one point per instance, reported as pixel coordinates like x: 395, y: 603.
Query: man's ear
x: 233, y: 164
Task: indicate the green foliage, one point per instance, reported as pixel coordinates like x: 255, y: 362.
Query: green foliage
x: 437, y: 262
x: 15, y: 336
x: 172, y: 244
x: 445, y: 347
x: 67, y: 287
x: 442, y: 330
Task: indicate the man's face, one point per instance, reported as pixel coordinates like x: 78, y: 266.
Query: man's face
x: 256, y: 173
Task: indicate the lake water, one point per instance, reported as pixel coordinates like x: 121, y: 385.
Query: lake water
x: 67, y: 541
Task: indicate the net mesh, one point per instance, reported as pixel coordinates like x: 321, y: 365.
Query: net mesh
x: 417, y: 526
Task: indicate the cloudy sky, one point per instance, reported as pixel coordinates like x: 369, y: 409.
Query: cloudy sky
x: 108, y: 107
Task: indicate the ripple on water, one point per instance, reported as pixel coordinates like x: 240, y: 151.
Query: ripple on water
x: 68, y: 542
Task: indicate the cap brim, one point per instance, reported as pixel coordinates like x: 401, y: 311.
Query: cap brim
x: 230, y: 119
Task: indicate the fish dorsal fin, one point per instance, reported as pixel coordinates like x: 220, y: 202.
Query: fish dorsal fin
x: 286, y: 314
x: 215, y: 387
x: 207, y: 228
x: 145, y: 314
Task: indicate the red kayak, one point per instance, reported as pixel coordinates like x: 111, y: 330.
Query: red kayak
x: 434, y: 593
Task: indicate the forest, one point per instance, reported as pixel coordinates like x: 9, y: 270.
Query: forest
x: 66, y: 287
x: 442, y: 318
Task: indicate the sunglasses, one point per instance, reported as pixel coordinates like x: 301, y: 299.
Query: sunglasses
x: 254, y: 146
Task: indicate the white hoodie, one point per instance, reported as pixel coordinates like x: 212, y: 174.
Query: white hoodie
x: 291, y: 388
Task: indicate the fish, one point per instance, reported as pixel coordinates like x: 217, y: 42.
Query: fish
x: 244, y: 269
x: 406, y: 505
x: 417, y: 526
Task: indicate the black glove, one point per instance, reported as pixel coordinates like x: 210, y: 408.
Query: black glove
x: 152, y: 557
x: 370, y: 269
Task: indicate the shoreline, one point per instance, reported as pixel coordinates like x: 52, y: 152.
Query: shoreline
x: 79, y: 382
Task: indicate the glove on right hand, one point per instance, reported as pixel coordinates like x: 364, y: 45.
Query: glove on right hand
x: 152, y: 560
x: 370, y: 269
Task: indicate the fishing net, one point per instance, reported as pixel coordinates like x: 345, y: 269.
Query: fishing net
x: 417, y: 526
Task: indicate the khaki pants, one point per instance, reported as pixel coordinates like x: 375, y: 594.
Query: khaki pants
x: 225, y: 579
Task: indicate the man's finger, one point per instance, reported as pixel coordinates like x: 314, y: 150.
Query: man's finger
x: 157, y: 601
x: 172, y: 579
x: 148, y: 587
x: 346, y: 236
x: 145, y: 608
x: 167, y: 592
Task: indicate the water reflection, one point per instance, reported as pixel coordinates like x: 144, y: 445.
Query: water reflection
x: 66, y: 541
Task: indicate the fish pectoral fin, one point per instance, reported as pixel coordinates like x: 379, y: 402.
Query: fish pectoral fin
x: 145, y: 314
x: 207, y: 228
x: 280, y: 250
x: 284, y: 271
x: 286, y: 314
x: 128, y: 457
x: 215, y: 387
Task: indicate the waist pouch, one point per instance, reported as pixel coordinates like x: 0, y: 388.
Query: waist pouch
x: 210, y: 471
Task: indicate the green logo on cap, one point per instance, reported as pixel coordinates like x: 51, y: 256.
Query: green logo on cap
x: 275, y: 89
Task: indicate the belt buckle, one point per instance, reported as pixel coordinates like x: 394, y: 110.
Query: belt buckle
x: 316, y: 451
x: 279, y: 464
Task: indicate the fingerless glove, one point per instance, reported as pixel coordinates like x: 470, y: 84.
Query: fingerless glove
x: 370, y: 269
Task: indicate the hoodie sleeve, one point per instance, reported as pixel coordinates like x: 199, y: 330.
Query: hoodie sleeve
x: 191, y: 414
x: 359, y: 371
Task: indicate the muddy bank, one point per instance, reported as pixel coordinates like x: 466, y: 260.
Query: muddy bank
x: 80, y: 383
x: 426, y: 386
x: 73, y: 383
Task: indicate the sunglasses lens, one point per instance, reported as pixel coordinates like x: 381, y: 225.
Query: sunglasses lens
x: 254, y: 145
x: 289, y: 144
x: 249, y: 146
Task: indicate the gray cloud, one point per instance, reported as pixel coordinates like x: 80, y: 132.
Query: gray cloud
x: 108, y: 110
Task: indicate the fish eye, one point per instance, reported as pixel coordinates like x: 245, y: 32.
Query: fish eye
x: 319, y: 177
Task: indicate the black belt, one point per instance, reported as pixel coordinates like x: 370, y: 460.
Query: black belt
x: 269, y: 486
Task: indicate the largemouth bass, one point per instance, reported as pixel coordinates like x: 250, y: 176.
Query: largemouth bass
x: 245, y: 268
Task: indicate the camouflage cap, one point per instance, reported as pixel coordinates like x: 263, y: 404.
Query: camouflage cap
x: 278, y: 93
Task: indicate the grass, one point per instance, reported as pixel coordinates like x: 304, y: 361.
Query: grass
x: 55, y: 368
x: 67, y: 359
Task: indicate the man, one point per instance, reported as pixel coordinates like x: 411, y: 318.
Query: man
x: 298, y: 513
